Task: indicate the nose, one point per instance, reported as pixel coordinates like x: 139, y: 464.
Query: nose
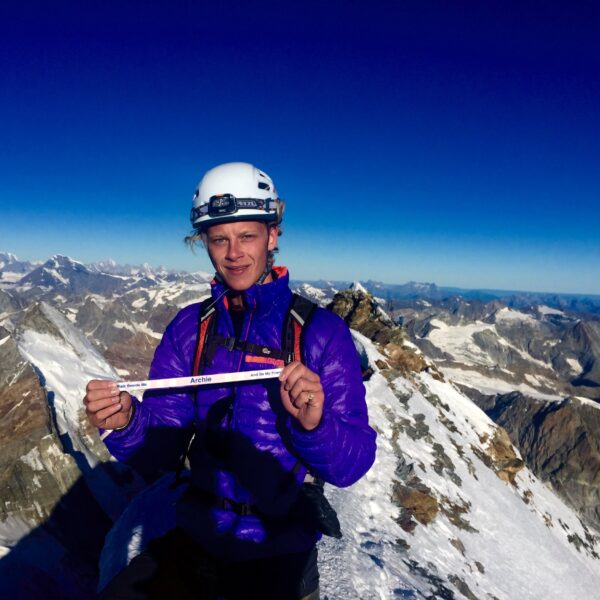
x: 234, y: 250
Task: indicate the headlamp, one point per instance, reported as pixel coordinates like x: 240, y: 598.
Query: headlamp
x: 222, y: 205
x: 225, y: 204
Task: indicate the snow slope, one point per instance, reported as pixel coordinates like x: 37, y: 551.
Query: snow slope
x: 510, y: 542
x: 66, y: 365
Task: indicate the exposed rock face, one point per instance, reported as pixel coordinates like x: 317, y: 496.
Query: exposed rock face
x: 362, y: 313
x: 500, y: 455
x: 8, y: 303
x: 583, y: 342
x: 417, y: 503
x: 34, y: 472
x: 560, y: 442
x: 34, y: 318
x: 133, y: 355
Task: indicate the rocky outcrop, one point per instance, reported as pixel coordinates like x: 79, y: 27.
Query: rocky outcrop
x: 418, y: 504
x: 8, y: 303
x: 362, y: 313
x: 500, y: 455
x: 583, y: 343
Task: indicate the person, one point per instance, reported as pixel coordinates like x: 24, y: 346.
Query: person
x: 256, y: 447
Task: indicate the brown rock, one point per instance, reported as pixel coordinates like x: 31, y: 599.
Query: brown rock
x: 361, y: 312
x: 420, y: 504
x: 500, y: 456
x: 404, y: 358
x: 134, y: 355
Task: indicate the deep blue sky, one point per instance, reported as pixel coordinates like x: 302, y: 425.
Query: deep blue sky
x: 454, y: 142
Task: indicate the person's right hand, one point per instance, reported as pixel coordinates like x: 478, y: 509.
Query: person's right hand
x: 105, y: 406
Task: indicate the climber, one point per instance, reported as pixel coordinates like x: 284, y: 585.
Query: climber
x: 258, y: 452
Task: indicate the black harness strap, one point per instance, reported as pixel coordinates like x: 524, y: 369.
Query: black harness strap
x: 206, y: 323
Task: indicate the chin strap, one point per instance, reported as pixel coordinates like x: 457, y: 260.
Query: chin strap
x: 268, y: 268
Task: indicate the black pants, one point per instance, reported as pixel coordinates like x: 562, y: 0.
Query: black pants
x: 175, y: 567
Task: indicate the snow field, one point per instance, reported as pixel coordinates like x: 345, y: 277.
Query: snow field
x: 492, y: 385
x: 510, y: 541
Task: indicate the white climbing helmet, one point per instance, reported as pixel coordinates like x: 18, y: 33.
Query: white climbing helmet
x: 235, y: 191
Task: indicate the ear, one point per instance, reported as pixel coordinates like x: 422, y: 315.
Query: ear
x: 272, y: 241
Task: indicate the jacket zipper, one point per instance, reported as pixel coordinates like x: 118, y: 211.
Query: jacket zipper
x: 232, y: 419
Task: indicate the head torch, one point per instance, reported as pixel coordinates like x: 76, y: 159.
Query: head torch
x: 227, y: 204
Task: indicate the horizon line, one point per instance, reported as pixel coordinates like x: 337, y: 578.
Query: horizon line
x: 494, y: 291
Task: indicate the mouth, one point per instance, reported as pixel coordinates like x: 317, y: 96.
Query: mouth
x: 236, y: 271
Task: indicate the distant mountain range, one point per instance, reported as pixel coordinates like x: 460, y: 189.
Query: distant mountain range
x: 12, y: 270
x: 547, y: 344
x: 398, y: 294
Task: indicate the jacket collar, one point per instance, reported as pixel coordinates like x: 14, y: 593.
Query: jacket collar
x: 259, y: 298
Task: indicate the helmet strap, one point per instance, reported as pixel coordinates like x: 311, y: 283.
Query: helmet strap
x: 268, y: 267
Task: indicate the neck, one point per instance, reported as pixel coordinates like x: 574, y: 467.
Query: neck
x: 237, y: 298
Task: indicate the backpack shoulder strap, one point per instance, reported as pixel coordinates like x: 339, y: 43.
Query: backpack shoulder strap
x: 297, y: 319
x: 205, y: 320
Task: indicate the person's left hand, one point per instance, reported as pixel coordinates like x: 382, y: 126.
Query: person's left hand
x: 302, y: 394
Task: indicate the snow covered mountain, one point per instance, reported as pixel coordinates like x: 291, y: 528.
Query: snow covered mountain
x: 451, y: 508
x: 12, y: 269
x: 65, y: 276
x: 122, y: 309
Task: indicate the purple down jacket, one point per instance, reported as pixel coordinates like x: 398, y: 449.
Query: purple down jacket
x: 247, y: 448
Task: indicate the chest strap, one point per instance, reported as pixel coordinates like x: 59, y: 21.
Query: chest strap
x: 231, y: 343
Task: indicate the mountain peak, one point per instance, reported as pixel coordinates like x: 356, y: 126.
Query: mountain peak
x: 60, y: 262
x: 358, y: 287
x: 8, y: 257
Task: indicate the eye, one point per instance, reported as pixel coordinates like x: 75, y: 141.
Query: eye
x: 248, y: 237
x: 218, y: 241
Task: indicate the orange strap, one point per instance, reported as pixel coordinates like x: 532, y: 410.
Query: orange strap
x: 297, y: 334
x: 200, y: 347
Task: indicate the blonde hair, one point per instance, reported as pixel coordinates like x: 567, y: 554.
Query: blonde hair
x: 193, y: 239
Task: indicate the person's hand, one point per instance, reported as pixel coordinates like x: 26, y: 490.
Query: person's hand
x: 105, y: 406
x: 302, y: 394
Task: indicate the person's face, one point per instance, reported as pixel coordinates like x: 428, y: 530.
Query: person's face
x: 239, y: 250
